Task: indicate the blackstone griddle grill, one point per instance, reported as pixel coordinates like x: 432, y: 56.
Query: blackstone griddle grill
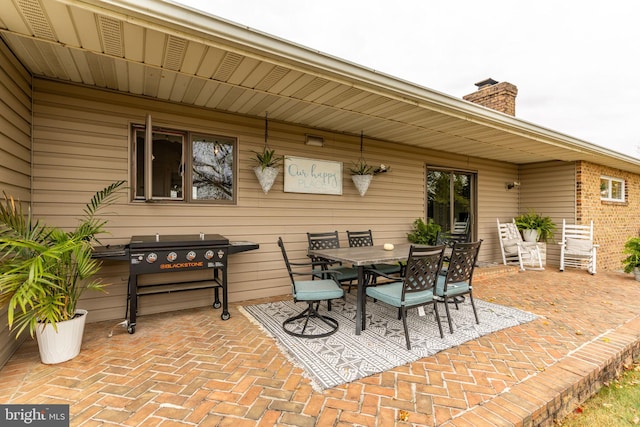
x: 174, y: 253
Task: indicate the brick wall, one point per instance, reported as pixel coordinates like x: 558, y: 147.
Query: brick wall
x: 613, y: 222
x: 500, y: 97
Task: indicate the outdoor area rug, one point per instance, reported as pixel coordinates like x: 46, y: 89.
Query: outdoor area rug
x: 344, y: 356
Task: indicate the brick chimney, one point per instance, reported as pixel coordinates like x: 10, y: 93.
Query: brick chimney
x: 498, y: 96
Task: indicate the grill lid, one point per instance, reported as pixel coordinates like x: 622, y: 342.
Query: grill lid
x: 177, y: 241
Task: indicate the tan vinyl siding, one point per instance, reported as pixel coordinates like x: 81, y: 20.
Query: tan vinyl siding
x: 81, y: 144
x: 550, y: 189
x: 15, y: 153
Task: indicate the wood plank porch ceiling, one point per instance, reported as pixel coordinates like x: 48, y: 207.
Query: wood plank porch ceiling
x: 161, y: 50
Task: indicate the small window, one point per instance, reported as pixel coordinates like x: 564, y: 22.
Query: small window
x: 611, y: 189
x: 184, y: 166
x: 212, y: 167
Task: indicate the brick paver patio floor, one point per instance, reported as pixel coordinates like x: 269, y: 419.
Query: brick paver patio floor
x: 190, y: 368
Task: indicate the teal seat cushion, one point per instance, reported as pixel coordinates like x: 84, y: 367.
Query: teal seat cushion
x: 453, y: 289
x: 345, y: 273
x: 341, y: 274
x: 316, y: 290
x: 388, y: 268
x: 391, y: 294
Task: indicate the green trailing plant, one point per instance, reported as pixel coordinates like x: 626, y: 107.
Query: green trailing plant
x: 424, y: 233
x: 362, y: 168
x: 532, y: 220
x: 267, y: 158
x: 632, y: 250
x: 44, y: 270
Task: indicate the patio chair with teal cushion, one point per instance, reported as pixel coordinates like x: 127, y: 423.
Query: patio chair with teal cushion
x: 458, y: 280
x: 311, y: 292
x: 331, y: 240
x: 416, y: 288
x: 365, y: 238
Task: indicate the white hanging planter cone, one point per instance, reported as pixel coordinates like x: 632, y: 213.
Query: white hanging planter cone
x: 63, y: 344
x: 266, y: 177
x: 362, y: 182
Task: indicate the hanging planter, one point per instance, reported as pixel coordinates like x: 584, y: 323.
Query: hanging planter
x: 267, y: 169
x: 362, y: 183
x: 362, y: 173
x: 266, y: 176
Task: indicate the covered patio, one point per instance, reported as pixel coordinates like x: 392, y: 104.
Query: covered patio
x: 190, y: 368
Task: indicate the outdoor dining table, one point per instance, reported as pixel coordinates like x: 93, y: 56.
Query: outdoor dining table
x: 361, y: 257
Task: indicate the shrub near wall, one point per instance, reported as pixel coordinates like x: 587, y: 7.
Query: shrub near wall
x: 614, y: 222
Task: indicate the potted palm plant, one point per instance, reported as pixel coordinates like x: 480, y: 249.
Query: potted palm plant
x: 535, y: 227
x: 44, y: 271
x: 632, y: 261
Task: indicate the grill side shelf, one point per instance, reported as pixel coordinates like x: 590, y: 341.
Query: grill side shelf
x: 111, y: 252
x: 237, y: 247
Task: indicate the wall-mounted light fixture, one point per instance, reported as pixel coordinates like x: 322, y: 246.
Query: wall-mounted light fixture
x: 314, y: 140
x: 514, y: 184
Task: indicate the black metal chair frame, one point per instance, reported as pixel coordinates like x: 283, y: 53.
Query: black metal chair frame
x: 331, y: 240
x: 462, y: 263
x: 310, y: 312
x: 421, y: 274
x: 365, y: 238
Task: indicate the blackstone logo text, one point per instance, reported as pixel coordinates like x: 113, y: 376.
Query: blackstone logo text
x: 34, y: 415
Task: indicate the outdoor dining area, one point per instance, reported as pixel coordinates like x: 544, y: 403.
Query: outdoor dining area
x: 414, y: 276
x: 191, y: 368
x: 372, y: 333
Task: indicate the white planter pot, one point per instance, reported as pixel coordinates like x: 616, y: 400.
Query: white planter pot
x: 362, y: 182
x: 530, y: 235
x: 63, y: 344
x: 266, y: 177
x: 636, y: 273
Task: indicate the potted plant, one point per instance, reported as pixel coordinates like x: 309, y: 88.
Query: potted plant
x: 267, y: 169
x: 534, y: 226
x: 44, y: 271
x: 362, y: 174
x: 632, y: 261
x: 424, y: 233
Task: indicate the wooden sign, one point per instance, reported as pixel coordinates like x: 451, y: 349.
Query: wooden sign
x: 302, y: 175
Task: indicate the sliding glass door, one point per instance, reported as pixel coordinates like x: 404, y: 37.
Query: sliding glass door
x: 450, y: 198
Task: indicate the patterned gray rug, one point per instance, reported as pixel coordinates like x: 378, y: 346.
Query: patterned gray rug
x: 344, y: 357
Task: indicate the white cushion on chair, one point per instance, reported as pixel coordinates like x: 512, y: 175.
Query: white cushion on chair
x: 578, y: 245
x: 510, y: 245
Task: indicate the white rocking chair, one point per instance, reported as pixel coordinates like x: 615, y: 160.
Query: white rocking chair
x: 577, y: 248
x: 517, y: 251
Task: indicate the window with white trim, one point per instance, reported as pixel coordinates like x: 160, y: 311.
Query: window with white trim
x: 183, y: 166
x: 611, y: 189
